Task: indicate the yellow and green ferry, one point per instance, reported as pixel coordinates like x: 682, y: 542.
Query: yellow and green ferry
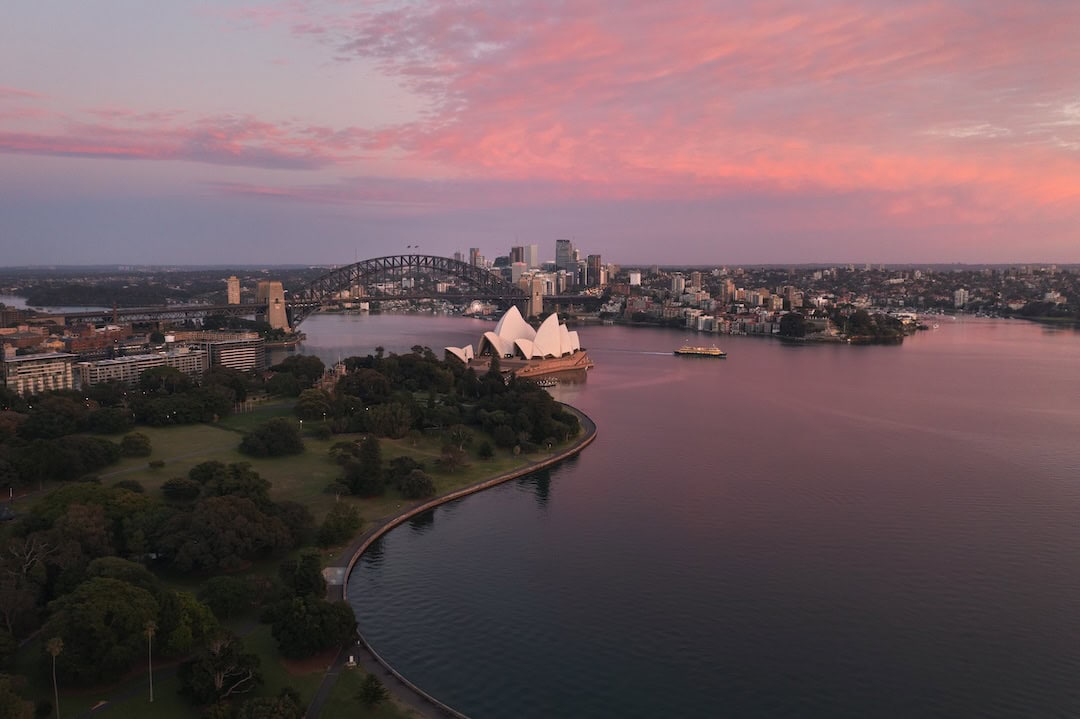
x: 701, y: 351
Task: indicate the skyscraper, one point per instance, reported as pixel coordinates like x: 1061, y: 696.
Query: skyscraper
x: 532, y: 256
x: 474, y: 256
x: 517, y: 254
x: 595, y: 271
x: 233, y: 284
x: 564, y: 255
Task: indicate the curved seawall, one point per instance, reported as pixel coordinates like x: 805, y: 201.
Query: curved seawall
x: 587, y: 436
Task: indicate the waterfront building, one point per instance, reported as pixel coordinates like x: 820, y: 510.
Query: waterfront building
x: 192, y: 362
x: 236, y: 350
x: 530, y: 352
x: 960, y: 298
x: 33, y: 374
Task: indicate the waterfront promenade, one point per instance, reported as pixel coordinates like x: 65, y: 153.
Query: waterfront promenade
x: 337, y: 578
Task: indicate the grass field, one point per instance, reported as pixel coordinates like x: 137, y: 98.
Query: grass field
x: 343, y: 703
x: 300, y: 478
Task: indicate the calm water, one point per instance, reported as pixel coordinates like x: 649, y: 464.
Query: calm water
x: 791, y: 532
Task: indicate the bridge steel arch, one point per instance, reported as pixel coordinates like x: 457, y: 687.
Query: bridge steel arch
x: 481, y: 283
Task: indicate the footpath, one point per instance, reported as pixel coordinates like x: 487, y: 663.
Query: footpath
x: 404, y: 692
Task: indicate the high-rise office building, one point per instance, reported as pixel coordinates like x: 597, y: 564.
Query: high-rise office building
x: 564, y: 255
x: 695, y: 280
x: 532, y: 256
x: 595, y: 271
x: 233, y: 285
x: 474, y: 256
x: 517, y: 254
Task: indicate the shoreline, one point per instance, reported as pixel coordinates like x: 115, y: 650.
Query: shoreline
x: 342, y: 567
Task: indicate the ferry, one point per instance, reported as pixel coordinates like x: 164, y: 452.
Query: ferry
x: 701, y: 351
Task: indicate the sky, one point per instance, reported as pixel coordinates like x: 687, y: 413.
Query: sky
x: 683, y: 131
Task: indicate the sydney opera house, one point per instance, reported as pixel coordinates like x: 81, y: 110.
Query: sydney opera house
x: 529, y: 352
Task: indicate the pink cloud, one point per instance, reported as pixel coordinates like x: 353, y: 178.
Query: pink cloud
x: 239, y: 140
x: 14, y: 93
x: 692, y: 97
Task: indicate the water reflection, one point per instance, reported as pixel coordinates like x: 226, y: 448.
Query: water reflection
x: 423, y: 521
x: 540, y: 483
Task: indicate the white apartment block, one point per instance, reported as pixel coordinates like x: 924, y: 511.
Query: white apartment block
x: 32, y: 374
x: 193, y: 363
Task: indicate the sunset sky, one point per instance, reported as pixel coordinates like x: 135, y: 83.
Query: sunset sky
x: 323, y: 131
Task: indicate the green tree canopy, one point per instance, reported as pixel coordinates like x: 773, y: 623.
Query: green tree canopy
x: 101, y: 623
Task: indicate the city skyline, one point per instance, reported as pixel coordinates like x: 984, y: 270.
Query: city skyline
x: 308, y: 132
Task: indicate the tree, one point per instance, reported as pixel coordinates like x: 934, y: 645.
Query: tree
x: 179, y: 489
x: 485, y: 450
x: 364, y: 477
x: 308, y: 369
x: 341, y: 523
x: 417, y: 485
x: 12, y: 705
x: 233, y: 380
x: 164, y: 380
x: 303, y: 576
x: 54, y: 647
x: 304, y: 626
x: 222, y: 533
x: 372, y: 692
x: 103, y: 620
x: 460, y: 436
x: 452, y: 458
x: 286, y: 705
x: 150, y: 627
x: 222, y: 670
x: 227, y: 596
x: 312, y: 404
x: 391, y: 420
x: 283, y: 384
x: 368, y: 386
x: 135, y: 444
x: 278, y: 437
x: 792, y: 324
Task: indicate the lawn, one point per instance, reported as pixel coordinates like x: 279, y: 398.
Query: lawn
x: 300, y: 478
x: 343, y: 702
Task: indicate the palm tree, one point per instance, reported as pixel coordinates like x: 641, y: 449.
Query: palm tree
x: 151, y: 627
x: 54, y: 646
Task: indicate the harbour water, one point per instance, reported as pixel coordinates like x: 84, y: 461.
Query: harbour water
x: 812, y: 531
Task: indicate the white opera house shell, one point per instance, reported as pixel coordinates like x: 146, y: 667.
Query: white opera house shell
x: 514, y: 338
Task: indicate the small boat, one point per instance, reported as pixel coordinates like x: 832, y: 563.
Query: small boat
x: 701, y: 351
x: 547, y: 381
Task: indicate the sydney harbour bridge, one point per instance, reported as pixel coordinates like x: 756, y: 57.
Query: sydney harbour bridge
x: 395, y: 277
